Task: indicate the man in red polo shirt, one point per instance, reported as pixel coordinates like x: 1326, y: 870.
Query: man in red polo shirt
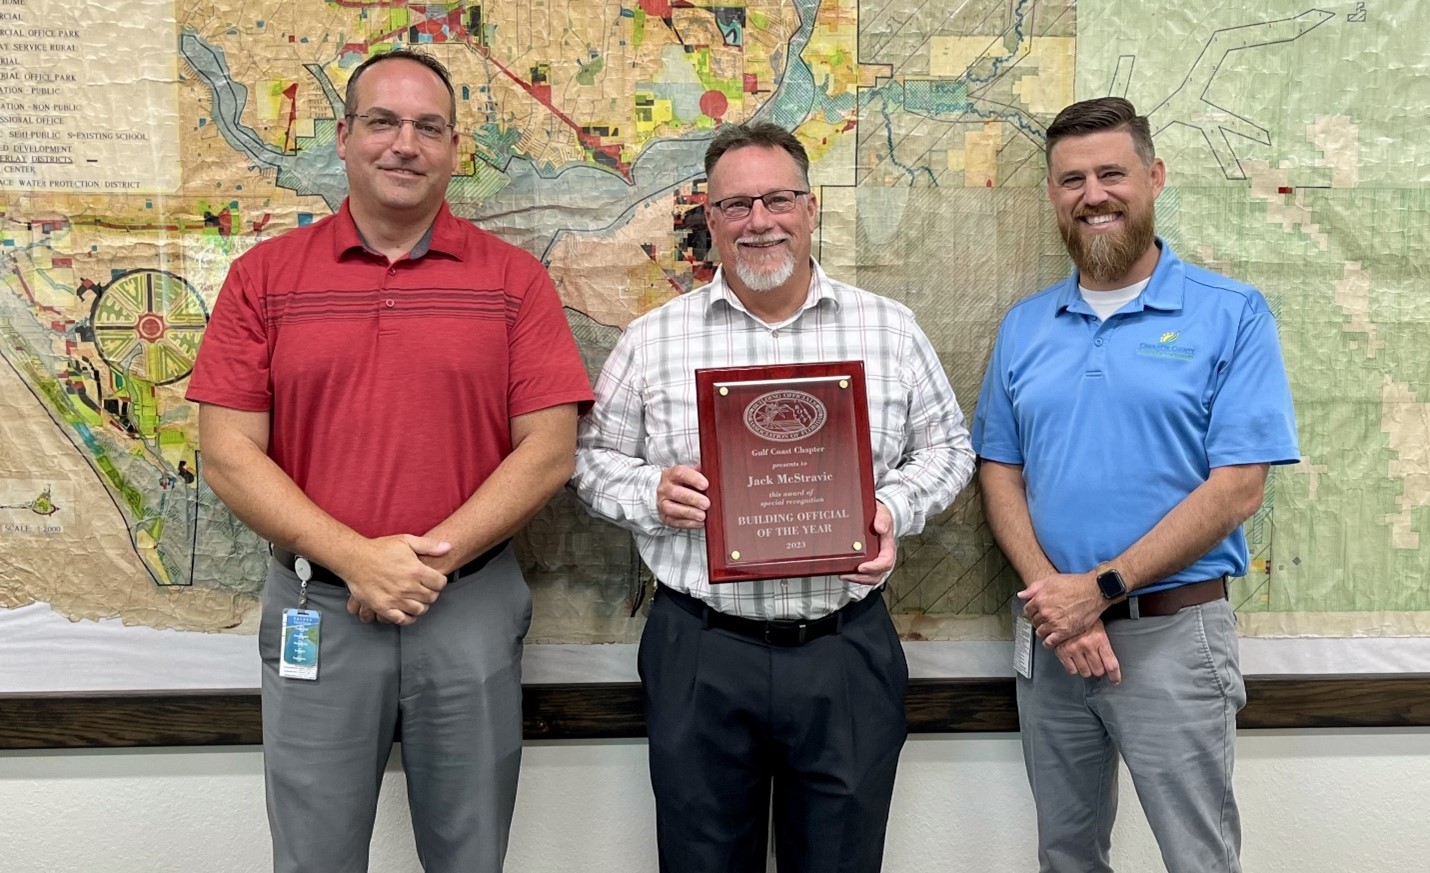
x: 387, y: 396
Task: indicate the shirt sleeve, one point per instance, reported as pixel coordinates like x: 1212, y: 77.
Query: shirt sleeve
x: 545, y: 365
x: 995, y: 429
x: 232, y: 367
x: 1252, y: 417
x: 938, y: 459
x: 612, y: 479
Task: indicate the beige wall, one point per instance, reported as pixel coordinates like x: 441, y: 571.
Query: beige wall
x: 1313, y: 802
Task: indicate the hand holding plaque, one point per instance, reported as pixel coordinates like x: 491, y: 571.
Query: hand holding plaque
x: 786, y: 451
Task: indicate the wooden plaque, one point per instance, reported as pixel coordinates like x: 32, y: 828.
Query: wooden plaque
x: 786, y: 450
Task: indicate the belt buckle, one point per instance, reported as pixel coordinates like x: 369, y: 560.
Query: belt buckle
x: 774, y: 632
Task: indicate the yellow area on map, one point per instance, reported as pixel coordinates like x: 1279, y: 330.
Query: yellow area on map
x: 979, y: 156
x: 1050, y: 88
x: 832, y: 53
x: 822, y: 139
x: 956, y: 56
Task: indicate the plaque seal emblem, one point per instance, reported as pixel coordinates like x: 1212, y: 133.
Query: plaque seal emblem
x: 785, y: 416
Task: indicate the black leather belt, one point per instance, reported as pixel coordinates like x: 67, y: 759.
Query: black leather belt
x: 1169, y: 602
x: 795, y: 632
x: 323, y: 574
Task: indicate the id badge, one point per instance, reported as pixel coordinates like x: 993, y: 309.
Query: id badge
x: 1022, y: 641
x: 300, y: 644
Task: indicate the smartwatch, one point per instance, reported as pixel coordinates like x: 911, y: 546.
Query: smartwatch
x: 1111, y: 584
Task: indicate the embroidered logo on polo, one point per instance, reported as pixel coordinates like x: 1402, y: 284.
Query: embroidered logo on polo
x: 1167, y: 346
x: 784, y: 416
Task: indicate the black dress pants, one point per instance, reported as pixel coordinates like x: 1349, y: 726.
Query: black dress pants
x: 736, y: 724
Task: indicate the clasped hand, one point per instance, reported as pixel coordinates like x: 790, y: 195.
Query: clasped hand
x: 1065, y: 611
x: 389, y: 582
x: 1062, y: 606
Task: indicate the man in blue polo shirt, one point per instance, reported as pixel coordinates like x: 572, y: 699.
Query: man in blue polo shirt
x: 1126, y: 425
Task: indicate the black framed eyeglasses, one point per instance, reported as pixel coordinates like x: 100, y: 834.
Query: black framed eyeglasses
x: 735, y: 208
x: 384, y: 124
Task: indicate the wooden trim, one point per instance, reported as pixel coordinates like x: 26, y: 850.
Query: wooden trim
x: 1401, y: 700
x: 613, y: 710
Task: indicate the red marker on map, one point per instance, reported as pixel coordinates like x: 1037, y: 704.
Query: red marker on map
x: 714, y: 104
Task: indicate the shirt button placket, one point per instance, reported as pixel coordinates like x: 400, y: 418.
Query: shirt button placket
x: 1089, y: 358
x: 1101, y: 339
x: 385, y: 303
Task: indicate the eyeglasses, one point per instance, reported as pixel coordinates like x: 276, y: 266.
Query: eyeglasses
x: 383, y: 125
x: 736, y: 208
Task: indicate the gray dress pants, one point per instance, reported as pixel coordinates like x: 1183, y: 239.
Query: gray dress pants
x: 1172, y: 720
x: 448, y: 686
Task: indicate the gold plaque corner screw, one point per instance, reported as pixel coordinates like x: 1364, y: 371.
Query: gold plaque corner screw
x: 734, y: 556
x: 843, y: 383
x: 858, y: 546
x: 724, y: 391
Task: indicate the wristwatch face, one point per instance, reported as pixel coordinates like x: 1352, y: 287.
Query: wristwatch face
x: 1110, y: 583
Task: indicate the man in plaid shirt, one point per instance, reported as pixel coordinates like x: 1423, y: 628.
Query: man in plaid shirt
x: 737, y: 710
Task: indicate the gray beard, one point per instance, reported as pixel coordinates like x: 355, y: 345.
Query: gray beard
x: 1106, y: 258
x: 764, y: 280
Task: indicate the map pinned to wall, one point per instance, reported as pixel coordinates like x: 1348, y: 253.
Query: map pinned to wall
x: 145, y: 145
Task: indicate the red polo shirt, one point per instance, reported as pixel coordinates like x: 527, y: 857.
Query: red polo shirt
x: 391, y: 387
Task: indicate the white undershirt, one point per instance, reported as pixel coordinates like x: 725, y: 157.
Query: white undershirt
x: 1104, y: 303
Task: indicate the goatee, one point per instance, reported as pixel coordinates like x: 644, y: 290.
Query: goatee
x: 768, y: 279
x: 1107, y: 257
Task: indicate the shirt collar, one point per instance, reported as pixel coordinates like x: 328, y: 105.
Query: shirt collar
x: 443, y: 236
x: 1164, y: 289
x: 821, y: 292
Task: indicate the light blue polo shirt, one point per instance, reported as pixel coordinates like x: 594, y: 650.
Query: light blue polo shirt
x: 1115, y: 422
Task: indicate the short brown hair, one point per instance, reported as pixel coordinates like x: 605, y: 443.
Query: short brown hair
x: 350, y: 99
x: 1097, y: 115
x: 765, y: 134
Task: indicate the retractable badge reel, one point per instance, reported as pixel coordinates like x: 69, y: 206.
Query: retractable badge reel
x: 299, y: 659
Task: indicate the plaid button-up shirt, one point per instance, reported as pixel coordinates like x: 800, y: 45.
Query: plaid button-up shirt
x: 645, y: 421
